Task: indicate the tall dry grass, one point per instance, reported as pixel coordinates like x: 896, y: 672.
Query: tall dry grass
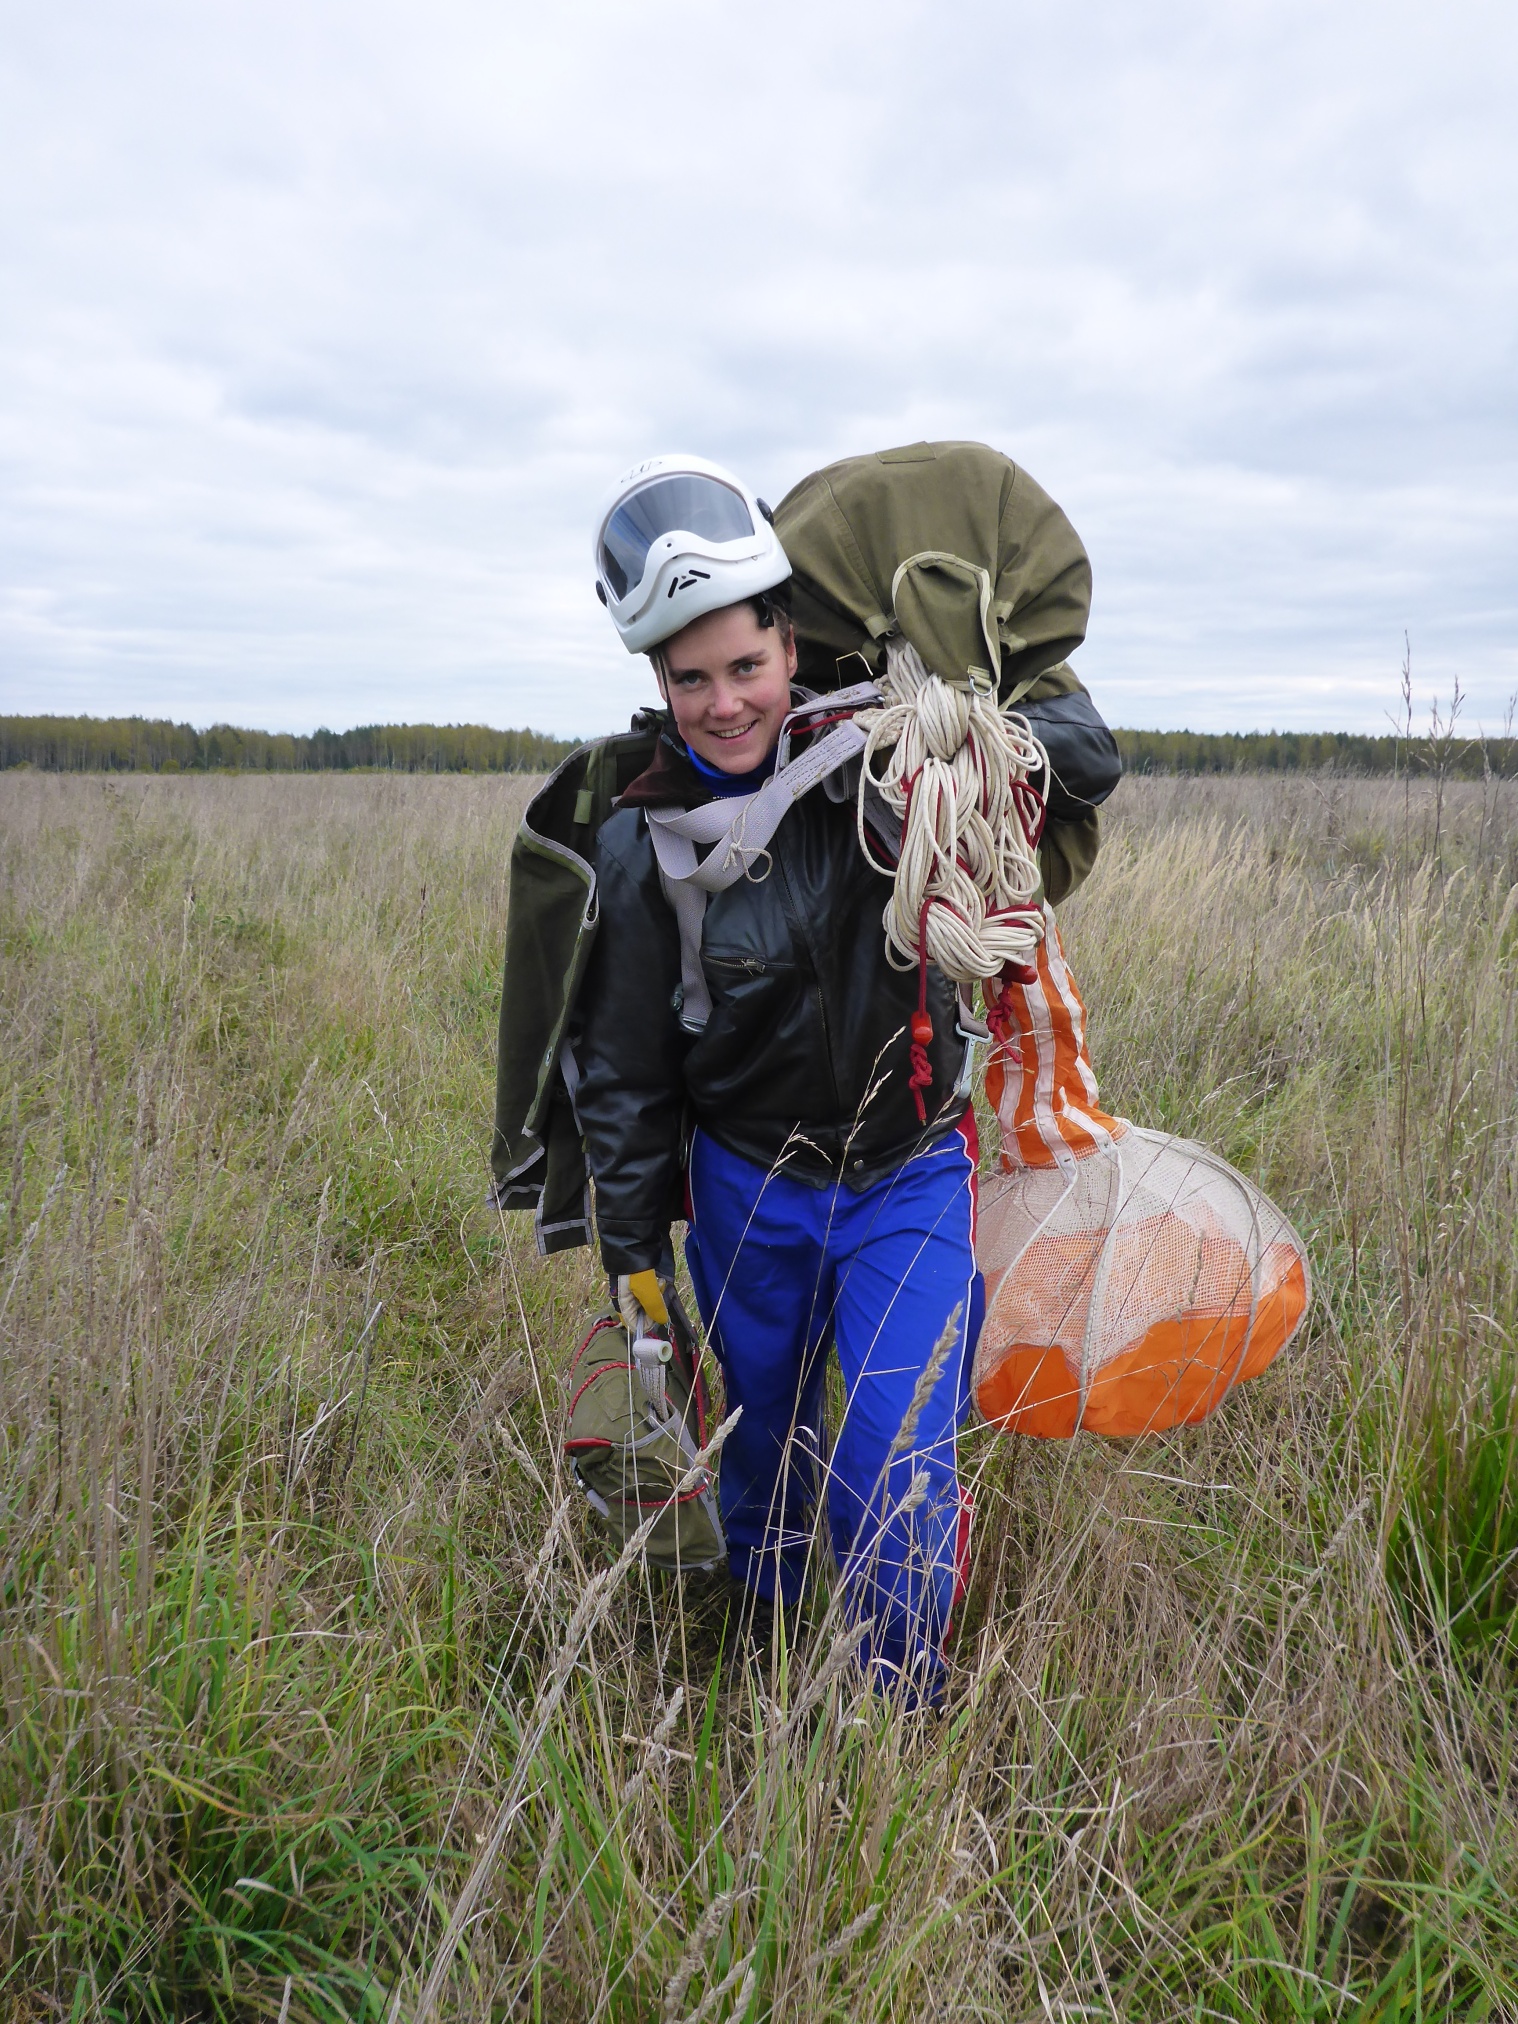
x: 320, y: 1701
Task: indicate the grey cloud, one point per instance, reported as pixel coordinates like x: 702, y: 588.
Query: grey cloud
x: 327, y: 329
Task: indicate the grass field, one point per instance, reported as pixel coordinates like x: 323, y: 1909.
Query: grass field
x: 319, y: 1698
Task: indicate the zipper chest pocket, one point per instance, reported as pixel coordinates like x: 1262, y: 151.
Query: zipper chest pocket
x: 740, y: 966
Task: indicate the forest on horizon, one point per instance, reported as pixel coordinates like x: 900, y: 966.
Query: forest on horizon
x: 150, y: 745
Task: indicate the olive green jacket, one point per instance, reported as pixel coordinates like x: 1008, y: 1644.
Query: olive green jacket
x: 536, y: 1158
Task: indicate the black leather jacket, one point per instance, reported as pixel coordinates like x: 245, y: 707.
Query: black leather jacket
x: 805, y: 1057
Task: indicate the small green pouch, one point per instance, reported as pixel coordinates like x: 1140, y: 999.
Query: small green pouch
x: 632, y: 1439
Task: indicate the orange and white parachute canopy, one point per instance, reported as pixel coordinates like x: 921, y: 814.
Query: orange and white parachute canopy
x: 1132, y: 1278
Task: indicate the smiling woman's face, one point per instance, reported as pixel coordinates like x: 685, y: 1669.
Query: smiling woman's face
x: 728, y: 681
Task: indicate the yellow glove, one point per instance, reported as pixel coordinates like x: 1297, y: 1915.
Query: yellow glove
x: 641, y: 1303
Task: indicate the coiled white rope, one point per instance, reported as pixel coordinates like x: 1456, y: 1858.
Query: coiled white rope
x: 955, y: 769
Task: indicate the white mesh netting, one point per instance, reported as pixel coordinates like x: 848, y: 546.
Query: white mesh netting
x: 1132, y: 1279
x: 1129, y: 1289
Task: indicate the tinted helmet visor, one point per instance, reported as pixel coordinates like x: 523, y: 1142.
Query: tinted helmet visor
x: 685, y: 503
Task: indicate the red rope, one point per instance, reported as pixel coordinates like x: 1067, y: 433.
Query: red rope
x: 922, y: 1023
x: 821, y: 724
x: 1031, y: 809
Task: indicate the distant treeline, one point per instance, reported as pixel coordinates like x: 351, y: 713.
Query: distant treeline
x: 1310, y: 752
x: 141, y: 745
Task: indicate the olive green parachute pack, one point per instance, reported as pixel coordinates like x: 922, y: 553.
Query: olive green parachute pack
x: 951, y: 543
x: 634, y: 1441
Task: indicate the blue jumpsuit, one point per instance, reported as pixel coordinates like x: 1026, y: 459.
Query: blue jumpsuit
x: 780, y: 1269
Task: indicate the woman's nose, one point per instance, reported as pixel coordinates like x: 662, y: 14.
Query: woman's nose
x: 725, y: 700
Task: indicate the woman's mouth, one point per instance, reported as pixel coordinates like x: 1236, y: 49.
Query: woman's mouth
x: 742, y: 731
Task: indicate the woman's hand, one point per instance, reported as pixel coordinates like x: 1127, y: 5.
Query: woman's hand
x: 641, y: 1304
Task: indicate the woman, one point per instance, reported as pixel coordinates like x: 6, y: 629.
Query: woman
x: 820, y: 1210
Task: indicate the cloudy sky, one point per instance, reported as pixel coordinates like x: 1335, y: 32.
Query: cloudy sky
x: 324, y: 326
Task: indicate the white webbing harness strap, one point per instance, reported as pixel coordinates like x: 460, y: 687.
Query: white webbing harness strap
x: 738, y: 831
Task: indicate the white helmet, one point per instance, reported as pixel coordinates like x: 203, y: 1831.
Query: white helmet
x: 678, y: 537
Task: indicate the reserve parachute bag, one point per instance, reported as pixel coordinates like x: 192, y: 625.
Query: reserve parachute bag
x: 1132, y: 1278
x: 637, y: 1421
